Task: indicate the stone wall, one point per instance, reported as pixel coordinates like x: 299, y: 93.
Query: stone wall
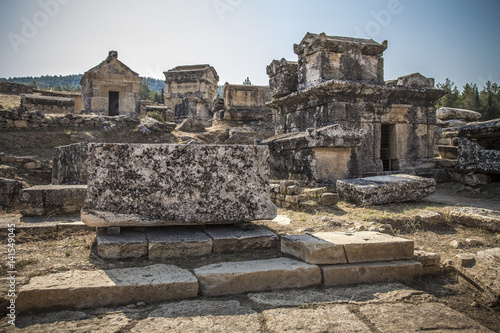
x: 48, y: 104
x: 20, y: 118
x: 291, y: 195
x: 15, y: 88
x: 283, y: 76
x: 161, y: 184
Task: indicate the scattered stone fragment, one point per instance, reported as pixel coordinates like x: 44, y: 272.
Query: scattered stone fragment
x: 385, y: 189
x: 428, y: 217
x: 191, y: 125
x: 471, y: 242
x: 476, y: 217
x: 457, y: 244
x: 464, y: 260
x: 386, y: 229
x: 427, y: 258
x: 329, y: 199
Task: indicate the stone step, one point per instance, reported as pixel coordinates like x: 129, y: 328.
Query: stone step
x: 341, y: 247
x: 175, y: 242
x: 51, y: 200
x: 83, y: 289
x: 229, y: 278
x: 372, y: 272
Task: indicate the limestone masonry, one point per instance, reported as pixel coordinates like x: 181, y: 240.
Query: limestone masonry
x: 162, y: 184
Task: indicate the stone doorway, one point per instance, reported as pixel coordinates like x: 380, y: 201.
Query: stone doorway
x: 113, y: 103
x: 385, y: 147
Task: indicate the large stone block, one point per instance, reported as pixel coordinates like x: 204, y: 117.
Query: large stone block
x: 369, y: 246
x: 227, y: 239
x: 52, y: 200
x: 258, y: 275
x: 385, y: 189
x: 161, y: 184
x: 446, y: 113
x: 476, y: 217
x: 83, y: 289
x: 178, y: 243
x: 383, y: 271
x: 313, y: 250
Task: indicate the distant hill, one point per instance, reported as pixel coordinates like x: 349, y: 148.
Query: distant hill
x: 67, y: 82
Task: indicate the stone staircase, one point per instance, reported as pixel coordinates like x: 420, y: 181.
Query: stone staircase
x: 322, y: 259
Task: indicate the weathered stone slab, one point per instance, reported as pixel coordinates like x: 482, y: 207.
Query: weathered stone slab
x: 427, y: 258
x: 367, y: 246
x: 50, y: 200
x: 70, y: 164
x: 161, y: 184
x: 82, y: 289
x: 384, y: 271
x: 227, y: 239
x: 446, y: 113
x: 177, y: 243
x: 485, y: 272
x: 257, y: 275
x: 325, y: 318
x: 383, y: 292
x: 9, y: 192
x: 385, y: 189
x: 476, y: 217
x: 423, y: 317
x: 205, y: 324
x: 129, y: 244
x: 313, y: 250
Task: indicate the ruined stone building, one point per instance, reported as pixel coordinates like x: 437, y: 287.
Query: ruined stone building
x: 111, y: 88
x: 340, y: 81
x: 190, y: 91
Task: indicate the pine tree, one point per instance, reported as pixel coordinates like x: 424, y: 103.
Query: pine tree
x: 145, y: 90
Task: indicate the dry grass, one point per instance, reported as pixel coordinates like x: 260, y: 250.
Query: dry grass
x: 9, y: 102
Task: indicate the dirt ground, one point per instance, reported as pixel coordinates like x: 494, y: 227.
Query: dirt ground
x: 39, y: 255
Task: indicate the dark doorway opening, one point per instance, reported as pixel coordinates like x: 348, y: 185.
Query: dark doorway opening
x: 113, y: 103
x: 385, y: 147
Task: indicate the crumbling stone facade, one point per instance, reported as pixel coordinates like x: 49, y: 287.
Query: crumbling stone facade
x: 190, y: 91
x: 111, y: 88
x: 246, y: 103
x: 340, y: 81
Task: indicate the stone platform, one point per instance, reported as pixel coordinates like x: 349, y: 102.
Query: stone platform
x: 176, y: 242
x: 52, y: 200
x: 385, y: 189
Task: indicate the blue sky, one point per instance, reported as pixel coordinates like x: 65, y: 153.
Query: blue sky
x: 457, y: 39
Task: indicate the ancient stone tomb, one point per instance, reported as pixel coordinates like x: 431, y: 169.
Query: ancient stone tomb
x: 339, y: 80
x: 111, y: 88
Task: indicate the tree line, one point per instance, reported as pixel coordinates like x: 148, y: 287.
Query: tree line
x: 486, y: 101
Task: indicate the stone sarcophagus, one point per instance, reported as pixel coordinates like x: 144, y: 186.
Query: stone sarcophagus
x: 164, y: 184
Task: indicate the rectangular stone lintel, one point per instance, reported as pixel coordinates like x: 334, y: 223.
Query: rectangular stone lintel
x: 313, y: 250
